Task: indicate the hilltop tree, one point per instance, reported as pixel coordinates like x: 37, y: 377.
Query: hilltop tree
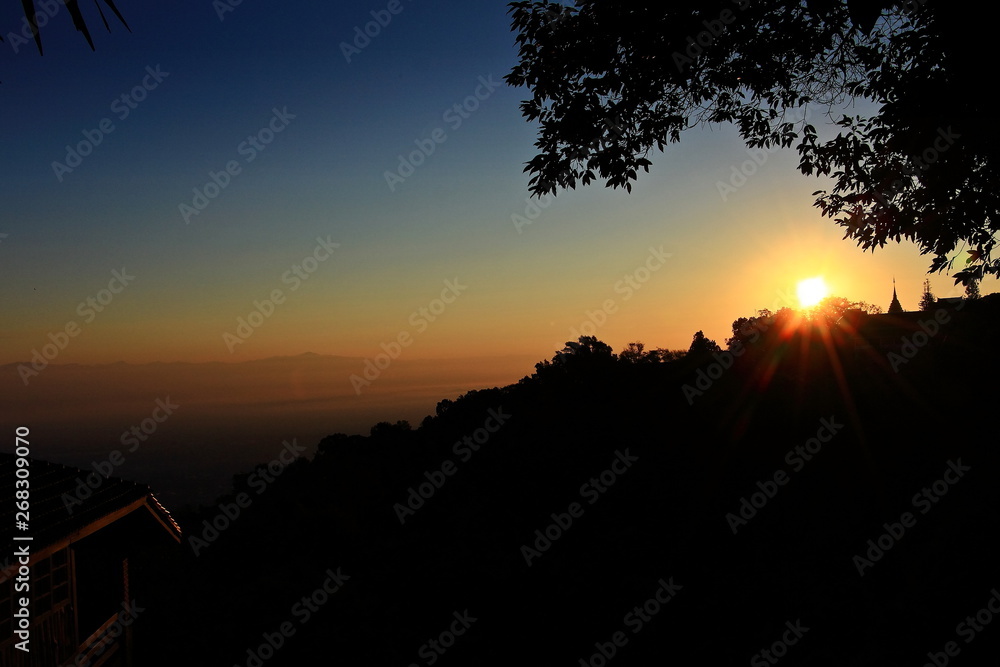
x: 587, y: 347
x: 832, y: 308
x: 636, y: 353
x: 443, y: 406
x: 745, y: 331
x: 610, y: 81
x: 927, y: 300
x: 586, y: 353
x: 665, y: 355
x: 749, y: 330
x: 383, y: 430
x: 972, y: 290
x: 702, y: 346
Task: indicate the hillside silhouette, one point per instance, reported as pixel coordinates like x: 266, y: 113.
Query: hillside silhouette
x: 635, y: 483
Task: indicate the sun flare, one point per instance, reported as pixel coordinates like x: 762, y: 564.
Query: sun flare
x: 811, y: 291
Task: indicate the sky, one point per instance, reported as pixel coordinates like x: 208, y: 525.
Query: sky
x: 233, y: 163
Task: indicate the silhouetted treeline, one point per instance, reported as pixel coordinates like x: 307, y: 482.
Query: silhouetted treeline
x: 431, y: 522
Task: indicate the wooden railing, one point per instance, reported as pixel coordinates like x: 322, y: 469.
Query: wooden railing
x: 99, y: 647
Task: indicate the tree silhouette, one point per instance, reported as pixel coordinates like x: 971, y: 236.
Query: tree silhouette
x: 586, y: 349
x: 588, y: 353
x: 749, y: 330
x: 73, y: 6
x: 702, y: 346
x: 927, y: 300
x: 389, y: 430
x: 832, y: 308
x: 665, y: 355
x: 744, y: 330
x: 972, y: 290
x: 636, y: 353
x: 610, y: 81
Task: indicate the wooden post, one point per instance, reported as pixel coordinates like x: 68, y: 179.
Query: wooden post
x: 71, y: 564
x: 128, y: 628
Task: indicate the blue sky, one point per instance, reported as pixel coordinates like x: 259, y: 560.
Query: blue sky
x: 324, y: 176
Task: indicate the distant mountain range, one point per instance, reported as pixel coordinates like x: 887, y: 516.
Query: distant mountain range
x: 228, y: 415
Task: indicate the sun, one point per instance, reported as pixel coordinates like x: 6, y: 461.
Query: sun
x: 811, y: 291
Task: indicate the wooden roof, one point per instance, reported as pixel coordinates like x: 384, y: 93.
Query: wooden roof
x: 52, y: 525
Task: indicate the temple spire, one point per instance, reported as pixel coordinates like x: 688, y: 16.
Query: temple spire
x: 895, y: 307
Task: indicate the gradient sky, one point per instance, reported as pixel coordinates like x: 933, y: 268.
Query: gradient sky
x: 323, y: 176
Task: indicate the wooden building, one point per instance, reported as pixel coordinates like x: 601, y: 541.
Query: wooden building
x: 85, y: 539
